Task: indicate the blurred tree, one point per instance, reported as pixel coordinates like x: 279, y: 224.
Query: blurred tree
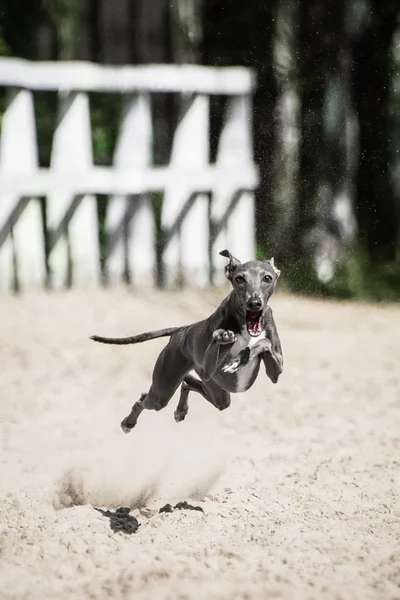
x: 19, y: 23
x: 372, y: 72
x: 324, y: 221
x: 284, y: 193
x: 312, y: 40
x: 242, y: 33
x: 113, y: 33
x: 70, y: 21
x: 186, y: 30
x: 149, y: 23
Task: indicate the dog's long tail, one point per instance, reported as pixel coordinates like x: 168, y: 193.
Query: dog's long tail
x: 136, y: 339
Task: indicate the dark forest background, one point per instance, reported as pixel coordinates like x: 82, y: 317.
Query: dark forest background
x: 326, y: 113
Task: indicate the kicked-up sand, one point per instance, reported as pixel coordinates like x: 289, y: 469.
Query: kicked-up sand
x: 299, y: 482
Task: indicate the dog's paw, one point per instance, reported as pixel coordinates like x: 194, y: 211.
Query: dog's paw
x: 232, y: 366
x: 180, y: 414
x: 125, y: 427
x: 224, y: 337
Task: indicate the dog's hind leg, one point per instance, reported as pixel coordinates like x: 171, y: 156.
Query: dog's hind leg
x: 189, y: 384
x: 130, y: 421
x: 169, y: 370
x: 218, y: 397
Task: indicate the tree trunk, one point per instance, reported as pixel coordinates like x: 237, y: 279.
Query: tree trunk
x: 149, y: 31
x: 243, y: 34
x: 336, y: 220
x: 70, y: 18
x: 282, y: 206
x: 186, y: 30
x: 113, y: 31
x: 312, y: 79
x: 375, y: 201
x: 324, y: 221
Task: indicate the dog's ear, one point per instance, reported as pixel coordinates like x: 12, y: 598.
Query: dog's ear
x: 232, y: 264
x: 272, y: 263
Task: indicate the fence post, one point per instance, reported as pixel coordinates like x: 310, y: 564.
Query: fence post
x: 184, y: 218
x: 75, y: 255
x: 130, y: 222
x: 232, y: 211
x: 21, y: 233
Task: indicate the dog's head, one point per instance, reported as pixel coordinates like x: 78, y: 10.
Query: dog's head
x: 253, y: 283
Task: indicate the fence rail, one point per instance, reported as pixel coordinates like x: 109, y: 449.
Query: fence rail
x: 89, y: 77
x: 205, y: 208
x: 103, y: 180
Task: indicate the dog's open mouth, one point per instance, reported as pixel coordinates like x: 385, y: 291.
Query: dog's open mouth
x: 254, y: 322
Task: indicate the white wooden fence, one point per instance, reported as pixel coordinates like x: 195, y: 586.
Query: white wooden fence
x: 206, y: 207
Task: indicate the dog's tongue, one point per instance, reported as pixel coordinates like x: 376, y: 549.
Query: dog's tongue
x: 254, y: 323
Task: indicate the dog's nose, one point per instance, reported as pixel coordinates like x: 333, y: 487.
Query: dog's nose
x: 254, y: 304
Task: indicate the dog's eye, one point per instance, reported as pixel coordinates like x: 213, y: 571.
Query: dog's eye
x: 267, y: 279
x: 239, y: 279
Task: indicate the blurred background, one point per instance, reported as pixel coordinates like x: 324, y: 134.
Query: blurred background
x: 326, y: 114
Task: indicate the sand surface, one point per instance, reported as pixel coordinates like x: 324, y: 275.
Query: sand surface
x: 299, y: 482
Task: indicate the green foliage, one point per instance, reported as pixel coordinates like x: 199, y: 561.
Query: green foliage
x: 360, y: 278
x: 4, y: 50
x: 355, y: 278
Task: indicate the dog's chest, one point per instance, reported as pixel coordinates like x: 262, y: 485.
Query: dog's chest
x: 245, y: 373
x: 245, y: 340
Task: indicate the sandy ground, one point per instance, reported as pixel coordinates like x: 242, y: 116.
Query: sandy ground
x: 299, y: 482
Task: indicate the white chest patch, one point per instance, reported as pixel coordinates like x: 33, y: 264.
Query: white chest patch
x: 245, y: 372
x: 245, y: 340
x: 253, y: 340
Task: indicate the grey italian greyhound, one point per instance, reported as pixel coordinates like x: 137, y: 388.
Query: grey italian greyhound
x: 225, y: 350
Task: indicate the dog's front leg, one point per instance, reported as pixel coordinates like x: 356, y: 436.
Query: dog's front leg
x: 273, y: 360
x: 213, y: 356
